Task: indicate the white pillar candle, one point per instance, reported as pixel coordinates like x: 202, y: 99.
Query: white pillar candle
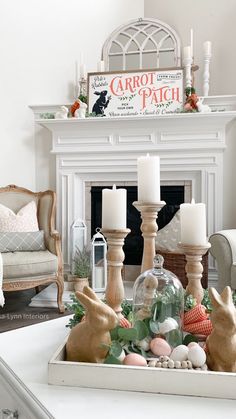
x: 193, y: 224
x: 207, y: 48
x: 114, y: 208
x: 149, y: 179
x: 187, y: 52
x: 101, y: 66
x: 191, y: 41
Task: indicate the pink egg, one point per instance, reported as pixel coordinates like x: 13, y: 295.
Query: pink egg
x: 135, y: 359
x: 160, y: 347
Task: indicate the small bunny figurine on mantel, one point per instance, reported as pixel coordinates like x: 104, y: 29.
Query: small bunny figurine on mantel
x: 221, y: 344
x: 80, y: 112
x: 86, y: 340
x: 62, y: 113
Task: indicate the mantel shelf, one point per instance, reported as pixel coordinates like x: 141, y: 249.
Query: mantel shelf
x: 228, y: 115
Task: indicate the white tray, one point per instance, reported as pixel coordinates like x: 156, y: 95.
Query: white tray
x: 144, y: 379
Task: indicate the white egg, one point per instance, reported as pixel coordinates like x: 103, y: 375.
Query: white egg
x: 168, y: 325
x: 197, y: 356
x: 180, y: 353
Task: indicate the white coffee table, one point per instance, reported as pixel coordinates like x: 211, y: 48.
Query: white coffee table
x: 27, y: 351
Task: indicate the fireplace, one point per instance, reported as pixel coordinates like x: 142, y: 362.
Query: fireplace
x: 173, y: 195
x: 96, y: 151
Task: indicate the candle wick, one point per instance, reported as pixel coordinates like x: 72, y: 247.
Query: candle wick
x: 193, y: 201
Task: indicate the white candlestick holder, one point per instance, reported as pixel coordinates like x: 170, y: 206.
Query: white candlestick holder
x: 115, y: 257
x: 187, y: 61
x: 194, y: 268
x: 149, y: 227
x: 206, y: 74
x: 83, y: 86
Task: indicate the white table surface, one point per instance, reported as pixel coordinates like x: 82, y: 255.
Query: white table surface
x: 27, y: 352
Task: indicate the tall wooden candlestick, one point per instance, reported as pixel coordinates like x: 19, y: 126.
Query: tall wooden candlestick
x: 194, y: 268
x: 149, y: 227
x: 115, y: 257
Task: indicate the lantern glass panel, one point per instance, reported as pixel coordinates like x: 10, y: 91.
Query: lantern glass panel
x: 78, y: 240
x: 99, y: 262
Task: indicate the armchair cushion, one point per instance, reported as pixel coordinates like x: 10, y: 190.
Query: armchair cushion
x: 24, y: 220
x: 28, y: 264
x: 22, y: 241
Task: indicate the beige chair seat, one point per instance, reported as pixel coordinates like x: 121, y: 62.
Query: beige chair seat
x: 28, y: 264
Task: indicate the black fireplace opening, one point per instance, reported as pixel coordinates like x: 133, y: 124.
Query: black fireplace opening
x: 133, y: 248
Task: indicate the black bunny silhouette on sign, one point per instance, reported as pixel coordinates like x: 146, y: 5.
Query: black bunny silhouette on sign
x: 101, y: 103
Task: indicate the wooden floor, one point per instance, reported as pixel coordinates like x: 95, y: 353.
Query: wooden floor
x: 16, y: 312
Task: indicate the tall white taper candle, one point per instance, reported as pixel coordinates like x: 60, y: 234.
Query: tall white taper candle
x: 191, y: 41
x: 149, y: 179
x: 114, y: 208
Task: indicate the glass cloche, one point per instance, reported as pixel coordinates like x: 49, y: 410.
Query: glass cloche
x: 158, y: 301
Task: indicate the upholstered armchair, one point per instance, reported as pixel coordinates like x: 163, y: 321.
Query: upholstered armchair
x: 223, y: 249
x: 27, y: 269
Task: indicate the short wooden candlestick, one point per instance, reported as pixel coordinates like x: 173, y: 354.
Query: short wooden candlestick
x: 194, y: 268
x: 115, y: 257
x: 149, y: 227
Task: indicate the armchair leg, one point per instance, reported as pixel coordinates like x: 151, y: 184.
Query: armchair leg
x: 60, y: 289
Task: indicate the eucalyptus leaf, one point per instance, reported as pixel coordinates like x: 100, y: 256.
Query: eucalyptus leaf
x: 115, y: 349
x: 154, y: 326
x: 111, y: 359
x: 142, y: 330
x: 189, y: 338
x: 127, y: 334
x: 114, y: 333
x: 174, y: 337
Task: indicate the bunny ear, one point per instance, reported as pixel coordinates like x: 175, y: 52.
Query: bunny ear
x: 226, y: 295
x: 90, y: 293
x: 215, y: 297
x: 84, y: 299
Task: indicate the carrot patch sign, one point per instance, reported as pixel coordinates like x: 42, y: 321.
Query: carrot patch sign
x: 140, y: 92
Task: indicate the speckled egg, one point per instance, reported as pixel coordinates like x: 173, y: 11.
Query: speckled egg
x: 135, y: 359
x: 160, y: 347
x: 197, y: 356
x: 180, y: 353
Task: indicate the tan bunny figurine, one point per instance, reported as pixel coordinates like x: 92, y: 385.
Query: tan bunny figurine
x: 221, y: 344
x: 86, y: 339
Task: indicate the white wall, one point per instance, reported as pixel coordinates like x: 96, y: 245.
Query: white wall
x: 212, y: 20
x: 39, y: 44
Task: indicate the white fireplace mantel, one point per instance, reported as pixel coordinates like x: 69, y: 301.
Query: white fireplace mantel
x: 99, y: 149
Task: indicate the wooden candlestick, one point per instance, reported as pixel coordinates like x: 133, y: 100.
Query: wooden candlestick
x: 149, y: 227
x: 194, y: 268
x: 115, y: 257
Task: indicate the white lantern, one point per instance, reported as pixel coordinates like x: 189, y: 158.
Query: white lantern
x: 78, y: 240
x: 99, y: 262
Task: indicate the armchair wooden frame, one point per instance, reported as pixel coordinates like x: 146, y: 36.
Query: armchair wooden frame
x: 52, y: 242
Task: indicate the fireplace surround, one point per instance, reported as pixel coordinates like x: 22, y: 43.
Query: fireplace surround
x: 105, y: 151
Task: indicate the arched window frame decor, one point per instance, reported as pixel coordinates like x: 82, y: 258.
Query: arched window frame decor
x: 141, y: 25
